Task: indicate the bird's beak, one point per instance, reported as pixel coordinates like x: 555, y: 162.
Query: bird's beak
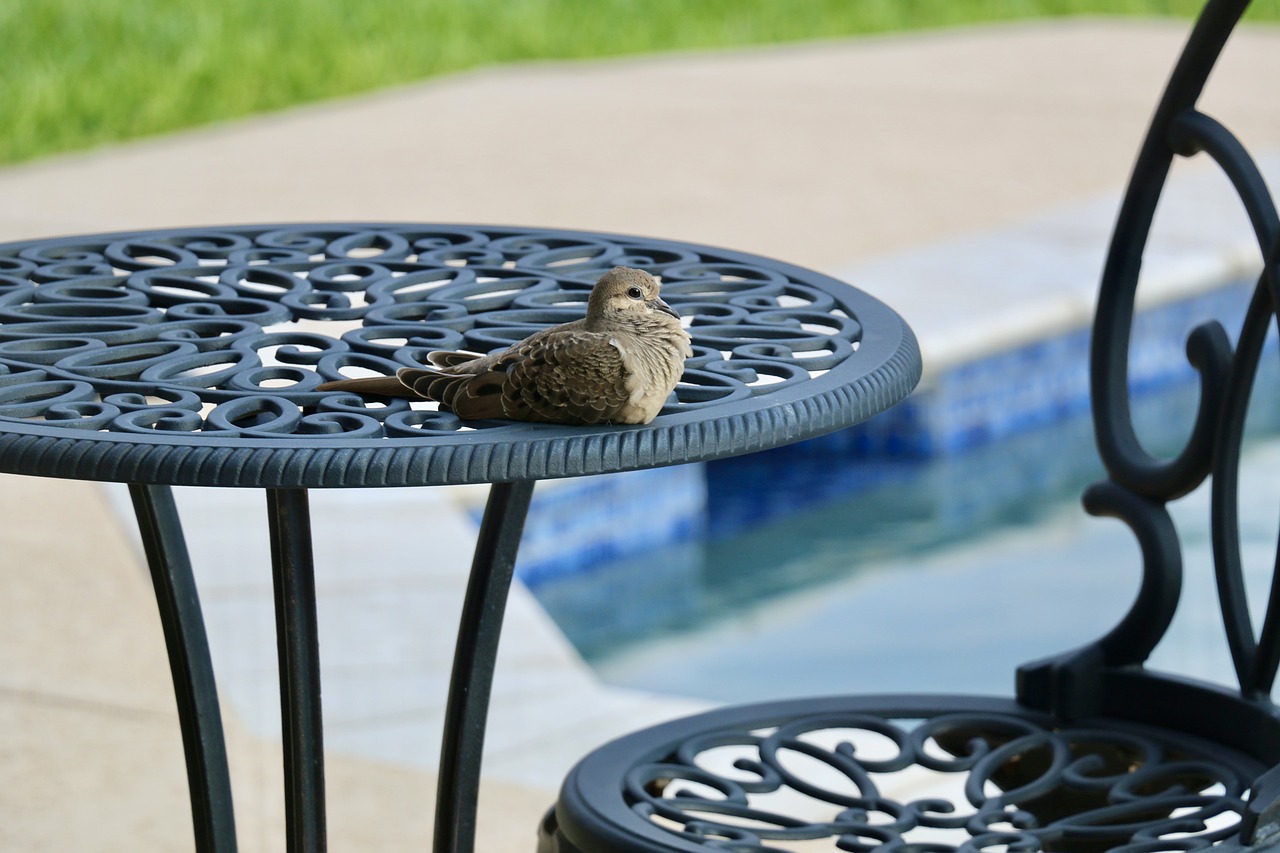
x: 659, y: 305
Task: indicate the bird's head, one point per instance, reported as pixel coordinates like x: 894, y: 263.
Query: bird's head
x: 628, y: 295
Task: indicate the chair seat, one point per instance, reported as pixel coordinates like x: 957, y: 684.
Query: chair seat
x: 906, y: 772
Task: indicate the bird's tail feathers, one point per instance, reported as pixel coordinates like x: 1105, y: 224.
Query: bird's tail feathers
x: 378, y: 386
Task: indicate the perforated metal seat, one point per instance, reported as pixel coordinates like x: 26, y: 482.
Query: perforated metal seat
x: 944, y: 773
x: 1096, y: 751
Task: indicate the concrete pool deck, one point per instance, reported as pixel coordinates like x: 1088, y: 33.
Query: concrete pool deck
x: 890, y: 161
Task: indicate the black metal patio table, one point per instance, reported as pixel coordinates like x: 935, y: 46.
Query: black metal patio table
x: 189, y: 357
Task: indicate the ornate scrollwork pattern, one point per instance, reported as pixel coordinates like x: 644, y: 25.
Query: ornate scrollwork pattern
x: 228, y: 332
x: 1139, y: 483
x: 863, y: 781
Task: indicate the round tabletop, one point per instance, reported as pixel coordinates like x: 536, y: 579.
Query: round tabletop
x: 191, y: 356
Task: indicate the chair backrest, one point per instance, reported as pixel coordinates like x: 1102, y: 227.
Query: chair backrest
x: 1107, y: 676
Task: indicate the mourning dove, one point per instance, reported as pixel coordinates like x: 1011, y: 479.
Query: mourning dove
x: 618, y: 365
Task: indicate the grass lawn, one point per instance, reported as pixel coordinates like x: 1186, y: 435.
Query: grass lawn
x: 79, y: 73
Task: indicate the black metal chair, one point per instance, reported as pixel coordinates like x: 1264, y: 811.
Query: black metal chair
x: 1097, y: 751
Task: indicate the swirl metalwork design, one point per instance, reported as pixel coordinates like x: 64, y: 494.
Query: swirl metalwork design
x: 1140, y: 485
x: 191, y: 338
x: 1024, y: 785
x: 905, y: 773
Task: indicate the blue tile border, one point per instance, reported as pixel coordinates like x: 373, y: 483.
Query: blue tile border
x: 973, y: 403
x: 574, y: 526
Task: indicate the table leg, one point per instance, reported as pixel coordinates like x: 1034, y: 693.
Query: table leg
x: 473, y: 665
x: 297, y: 645
x: 208, y: 780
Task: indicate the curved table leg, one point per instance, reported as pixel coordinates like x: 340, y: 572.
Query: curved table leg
x: 298, y: 648
x: 208, y: 780
x: 297, y: 644
x: 473, y: 665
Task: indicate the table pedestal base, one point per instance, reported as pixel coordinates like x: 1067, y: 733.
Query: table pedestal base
x: 297, y: 634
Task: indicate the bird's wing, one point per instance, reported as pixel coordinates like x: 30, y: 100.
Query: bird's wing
x: 461, y: 361
x: 568, y: 376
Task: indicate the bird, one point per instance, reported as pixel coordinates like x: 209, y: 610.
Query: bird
x: 616, y: 365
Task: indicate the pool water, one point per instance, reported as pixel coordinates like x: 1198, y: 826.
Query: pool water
x: 815, y: 576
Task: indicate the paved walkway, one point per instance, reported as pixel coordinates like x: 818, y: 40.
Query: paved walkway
x: 831, y: 155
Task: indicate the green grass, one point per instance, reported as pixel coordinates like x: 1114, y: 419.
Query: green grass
x: 79, y: 73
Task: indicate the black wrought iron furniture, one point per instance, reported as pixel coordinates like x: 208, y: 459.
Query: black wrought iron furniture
x: 189, y: 357
x: 1097, y: 751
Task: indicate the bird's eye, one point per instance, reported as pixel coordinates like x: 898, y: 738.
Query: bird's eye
x: 635, y: 293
